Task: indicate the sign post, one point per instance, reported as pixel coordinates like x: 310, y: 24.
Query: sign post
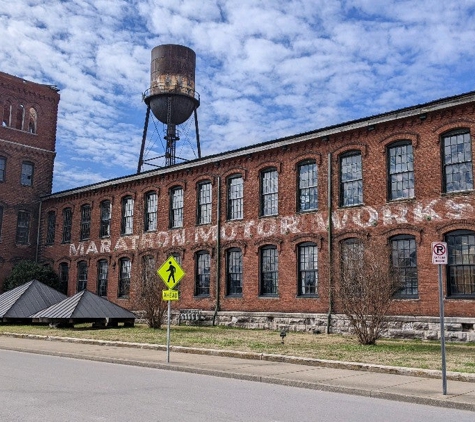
x: 171, y: 273
x: 439, y: 257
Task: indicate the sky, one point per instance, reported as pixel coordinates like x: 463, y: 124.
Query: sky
x: 265, y: 69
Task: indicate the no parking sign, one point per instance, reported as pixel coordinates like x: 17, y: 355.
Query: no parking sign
x: 439, y: 253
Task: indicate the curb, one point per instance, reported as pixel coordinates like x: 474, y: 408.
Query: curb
x: 355, y: 366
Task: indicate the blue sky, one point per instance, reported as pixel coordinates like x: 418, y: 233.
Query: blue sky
x: 265, y: 69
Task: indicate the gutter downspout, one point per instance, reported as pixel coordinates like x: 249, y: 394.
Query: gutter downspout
x: 218, y: 248
x: 38, y: 232
x: 330, y: 244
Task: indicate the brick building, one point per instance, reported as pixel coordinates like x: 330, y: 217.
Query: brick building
x: 259, y: 230
x: 28, y: 115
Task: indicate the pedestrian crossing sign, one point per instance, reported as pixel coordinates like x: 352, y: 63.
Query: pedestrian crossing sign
x: 171, y: 273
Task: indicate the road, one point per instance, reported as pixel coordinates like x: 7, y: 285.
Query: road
x: 48, y: 388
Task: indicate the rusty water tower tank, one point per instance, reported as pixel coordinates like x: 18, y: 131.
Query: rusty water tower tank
x: 172, y: 96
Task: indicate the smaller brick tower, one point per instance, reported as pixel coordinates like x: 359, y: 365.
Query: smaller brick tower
x: 28, y: 117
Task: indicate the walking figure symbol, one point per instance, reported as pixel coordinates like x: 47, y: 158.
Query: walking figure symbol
x: 171, y: 269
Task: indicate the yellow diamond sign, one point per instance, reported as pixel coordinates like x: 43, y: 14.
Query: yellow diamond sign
x: 171, y: 273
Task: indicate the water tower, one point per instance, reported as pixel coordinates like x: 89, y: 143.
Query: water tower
x: 171, y: 96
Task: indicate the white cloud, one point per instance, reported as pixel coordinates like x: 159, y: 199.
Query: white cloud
x: 265, y: 68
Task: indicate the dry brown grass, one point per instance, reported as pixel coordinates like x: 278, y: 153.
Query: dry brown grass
x: 413, y: 354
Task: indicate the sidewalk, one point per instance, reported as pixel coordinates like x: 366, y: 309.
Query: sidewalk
x: 387, y: 383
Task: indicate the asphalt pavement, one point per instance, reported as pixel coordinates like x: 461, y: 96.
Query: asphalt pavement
x: 401, y: 384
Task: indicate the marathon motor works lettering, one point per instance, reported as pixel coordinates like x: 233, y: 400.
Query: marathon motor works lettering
x: 414, y: 212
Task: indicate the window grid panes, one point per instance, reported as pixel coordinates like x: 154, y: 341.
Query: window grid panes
x: 102, y: 273
x: 404, y: 262
x: 308, y: 269
x: 151, y: 208
x: 127, y: 215
x: 176, y: 208
x: 234, y: 272
x: 269, y: 271
x: 23, y: 228
x: 401, y: 171
x: 203, y: 264
x: 461, y: 263
x: 63, y: 277
x: 235, y: 198
x: 270, y: 192
x: 27, y: 174
x: 351, y: 183
x: 204, y: 203
x: 85, y: 222
x: 105, y: 229
x: 3, y: 162
x: 458, y: 162
x: 67, y: 223
x: 51, y: 227
x: 124, y: 277
x: 82, y: 276
x: 308, y: 193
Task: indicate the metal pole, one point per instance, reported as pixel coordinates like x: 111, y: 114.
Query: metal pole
x: 442, y: 332
x: 168, y: 331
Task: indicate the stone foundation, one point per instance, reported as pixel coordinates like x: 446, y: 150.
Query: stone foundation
x: 398, y: 327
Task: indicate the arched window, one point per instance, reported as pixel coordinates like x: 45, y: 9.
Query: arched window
x: 269, y: 271
x: 63, y: 277
x: 461, y: 263
x: 204, y: 202
x: 351, y: 179
x: 400, y: 170
x: 125, y: 268
x: 307, y: 186
x: 308, y: 269
x: 457, y: 161
x: 176, y: 207
x: 32, y: 120
x: 7, y: 114
x: 85, y: 222
x: 82, y: 276
x: 234, y: 272
x: 51, y: 227
x: 102, y: 276
x: 235, y: 187
x: 23, y: 228
x: 105, y: 229
x: 151, y: 207
x: 127, y: 226
x: 20, y: 116
x: 404, y: 263
x: 202, y: 272
x: 269, y: 192
x: 67, y: 224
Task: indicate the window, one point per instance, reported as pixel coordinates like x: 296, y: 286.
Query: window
x: 1, y: 220
x: 308, y: 269
x: 151, y: 205
x: 401, y: 171
x: 457, y: 156
x: 85, y: 222
x: 105, y: 229
x: 235, y: 198
x: 3, y: 164
x: 7, y: 113
x: 352, y: 265
x: 20, y: 115
x: 404, y: 263
x: 202, y: 273
x: 307, y: 185
x: 27, y: 173
x: 176, y: 207
x: 102, y: 272
x: 127, y: 215
x: 351, y: 180
x: 51, y: 227
x: 82, y: 276
x: 23, y: 228
x: 461, y: 263
x: 269, y: 192
x: 63, y: 277
x: 269, y: 271
x: 67, y: 223
x: 32, y: 121
x: 124, y: 277
x: 204, y: 203
x: 234, y: 272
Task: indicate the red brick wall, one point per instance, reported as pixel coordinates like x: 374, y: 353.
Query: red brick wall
x: 428, y: 216
x: 17, y: 146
